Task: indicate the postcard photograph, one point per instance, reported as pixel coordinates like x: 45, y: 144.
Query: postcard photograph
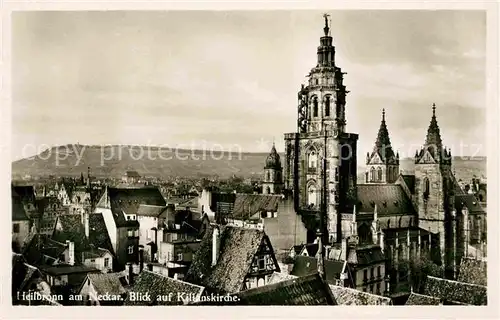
x: 265, y: 157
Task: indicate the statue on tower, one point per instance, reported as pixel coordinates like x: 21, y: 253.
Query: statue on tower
x: 326, y: 29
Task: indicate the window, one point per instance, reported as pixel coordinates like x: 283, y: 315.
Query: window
x: 372, y: 273
x: 92, y: 260
x: 268, y: 176
x: 372, y: 174
x: 315, y: 106
x: 379, y: 174
x: 371, y: 288
x: 130, y: 233
x: 130, y: 249
x: 106, y: 262
x: 15, y: 227
x: 128, y: 217
x: 365, y: 275
x: 378, y: 289
x: 262, y: 263
x: 327, y: 106
x: 268, y: 190
x: 311, y: 196
x: 313, y: 159
x: 364, y: 289
x: 179, y: 257
x: 379, y: 271
x: 426, y: 188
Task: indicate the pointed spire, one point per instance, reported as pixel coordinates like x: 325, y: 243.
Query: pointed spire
x: 383, y: 143
x: 433, y: 137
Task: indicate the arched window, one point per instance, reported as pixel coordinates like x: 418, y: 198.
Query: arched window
x: 312, y: 196
x: 313, y: 160
x: 268, y: 176
x: 379, y: 174
x: 327, y: 106
x: 426, y: 188
x: 367, y: 176
x: 268, y: 190
x: 315, y: 107
x: 372, y: 174
x: 365, y: 234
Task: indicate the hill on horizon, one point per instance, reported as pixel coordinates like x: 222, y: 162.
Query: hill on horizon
x: 113, y: 161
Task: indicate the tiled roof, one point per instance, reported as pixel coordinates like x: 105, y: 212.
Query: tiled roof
x: 18, y: 212
x: 365, y: 255
x: 473, y: 271
x: 128, y: 200
x: 454, y: 291
x: 304, y: 266
x: 246, y: 205
x: 132, y: 174
x: 410, y: 182
x: 72, y: 230
x: 469, y: 201
x: 67, y: 269
x: 22, y: 273
x: 416, y: 299
x: 305, y: 291
x: 237, y: 249
x: 150, y: 210
x: 107, y: 283
x: 158, y: 285
x: 26, y: 193
x: 98, y: 234
x: 39, y: 247
x: 390, y: 199
x: 94, y: 253
x: 351, y: 297
x: 280, y: 277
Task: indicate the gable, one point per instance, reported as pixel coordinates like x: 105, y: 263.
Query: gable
x: 427, y: 158
x: 375, y: 159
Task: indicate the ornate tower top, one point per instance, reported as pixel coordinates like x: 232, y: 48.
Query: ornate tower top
x: 273, y: 160
x: 383, y: 143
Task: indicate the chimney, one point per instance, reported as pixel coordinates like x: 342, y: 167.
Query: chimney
x: 86, y: 223
x: 343, y: 252
x: 321, y: 258
x: 130, y: 273
x: 215, y: 245
x: 141, y: 259
x: 381, y: 243
x: 71, y: 252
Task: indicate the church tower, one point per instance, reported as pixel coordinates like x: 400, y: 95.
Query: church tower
x: 320, y: 167
x: 273, y: 173
x: 382, y: 163
x: 434, y: 190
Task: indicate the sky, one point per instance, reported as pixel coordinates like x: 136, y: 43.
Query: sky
x: 226, y: 78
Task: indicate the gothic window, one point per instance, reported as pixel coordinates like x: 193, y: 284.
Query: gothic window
x: 268, y: 176
x: 379, y: 174
x: 365, y: 234
x: 315, y: 107
x: 312, y: 196
x: 372, y: 174
x: 313, y: 160
x: 268, y: 190
x: 327, y: 106
x: 426, y: 188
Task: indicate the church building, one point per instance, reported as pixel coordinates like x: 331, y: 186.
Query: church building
x: 408, y: 216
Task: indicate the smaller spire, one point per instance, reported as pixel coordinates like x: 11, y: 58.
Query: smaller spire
x: 433, y: 109
x: 383, y: 114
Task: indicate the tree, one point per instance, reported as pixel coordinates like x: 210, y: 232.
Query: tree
x: 420, y: 268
